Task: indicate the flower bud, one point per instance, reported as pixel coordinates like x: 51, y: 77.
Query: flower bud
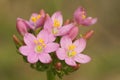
x: 88, y: 34
x: 42, y: 12
x: 58, y: 65
x: 21, y: 26
x: 16, y: 40
x: 73, y: 33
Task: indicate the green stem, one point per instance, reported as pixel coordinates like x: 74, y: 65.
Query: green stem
x: 50, y: 75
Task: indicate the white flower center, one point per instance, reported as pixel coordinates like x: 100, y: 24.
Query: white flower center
x: 55, y: 30
x: 38, y: 48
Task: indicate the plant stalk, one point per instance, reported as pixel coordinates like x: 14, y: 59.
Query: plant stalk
x: 50, y: 75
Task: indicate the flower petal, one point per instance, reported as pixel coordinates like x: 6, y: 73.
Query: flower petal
x: 89, y: 21
x: 25, y: 50
x: 65, y: 29
x: 65, y: 42
x: 70, y: 62
x: 58, y: 16
x: 29, y: 39
x: 40, y: 22
x: 82, y: 58
x: 61, y: 54
x: 51, y: 38
x: 45, y: 58
x: 51, y: 47
x: 30, y: 25
x: 32, y: 58
x: 48, y: 24
x: 80, y: 45
x: 43, y: 35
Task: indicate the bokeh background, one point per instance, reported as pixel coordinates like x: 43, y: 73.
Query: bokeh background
x: 104, y: 47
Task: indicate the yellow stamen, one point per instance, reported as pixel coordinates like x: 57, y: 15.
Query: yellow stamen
x: 38, y: 17
x: 72, y: 47
x: 34, y: 19
x: 71, y: 54
x: 41, y: 40
x: 56, y: 23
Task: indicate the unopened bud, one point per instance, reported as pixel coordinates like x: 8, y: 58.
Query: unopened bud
x: 88, y: 34
x: 58, y: 66
x: 21, y: 26
x: 47, y: 16
x: 42, y: 12
x: 73, y: 33
x: 16, y: 40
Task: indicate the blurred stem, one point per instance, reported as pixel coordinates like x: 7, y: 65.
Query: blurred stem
x: 50, y: 75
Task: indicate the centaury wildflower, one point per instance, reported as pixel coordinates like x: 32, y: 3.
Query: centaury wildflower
x: 38, y: 48
x: 72, y: 52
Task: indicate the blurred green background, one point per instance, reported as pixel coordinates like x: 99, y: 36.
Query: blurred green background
x: 104, y: 47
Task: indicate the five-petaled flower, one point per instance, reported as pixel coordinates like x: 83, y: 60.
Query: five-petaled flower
x: 38, y: 48
x: 71, y: 52
x: 54, y: 25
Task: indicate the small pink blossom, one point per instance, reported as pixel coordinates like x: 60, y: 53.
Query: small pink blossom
x: 36, y: 20
x: 71, y: 52
x: 80, y: 17
x: 38, y: 48
x: 54, y: 25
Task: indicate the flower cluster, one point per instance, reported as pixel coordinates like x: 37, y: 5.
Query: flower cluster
x: 48, y: 43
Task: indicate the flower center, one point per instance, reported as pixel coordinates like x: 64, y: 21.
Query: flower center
x: 56, y: 23
x: 35, y: 18
x: 40, y: 44
x: 71, y: 51
x: 55, y: 30
x: 38, y: 48
x: 40, y: 41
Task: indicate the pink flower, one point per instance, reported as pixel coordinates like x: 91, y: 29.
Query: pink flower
x: 38, y: 48
x: 54, y: 25
x: 22, y: 26
x: 36, y: 20
x: 73, y: 33
x: 80, y: 17
x: 71, y: 52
